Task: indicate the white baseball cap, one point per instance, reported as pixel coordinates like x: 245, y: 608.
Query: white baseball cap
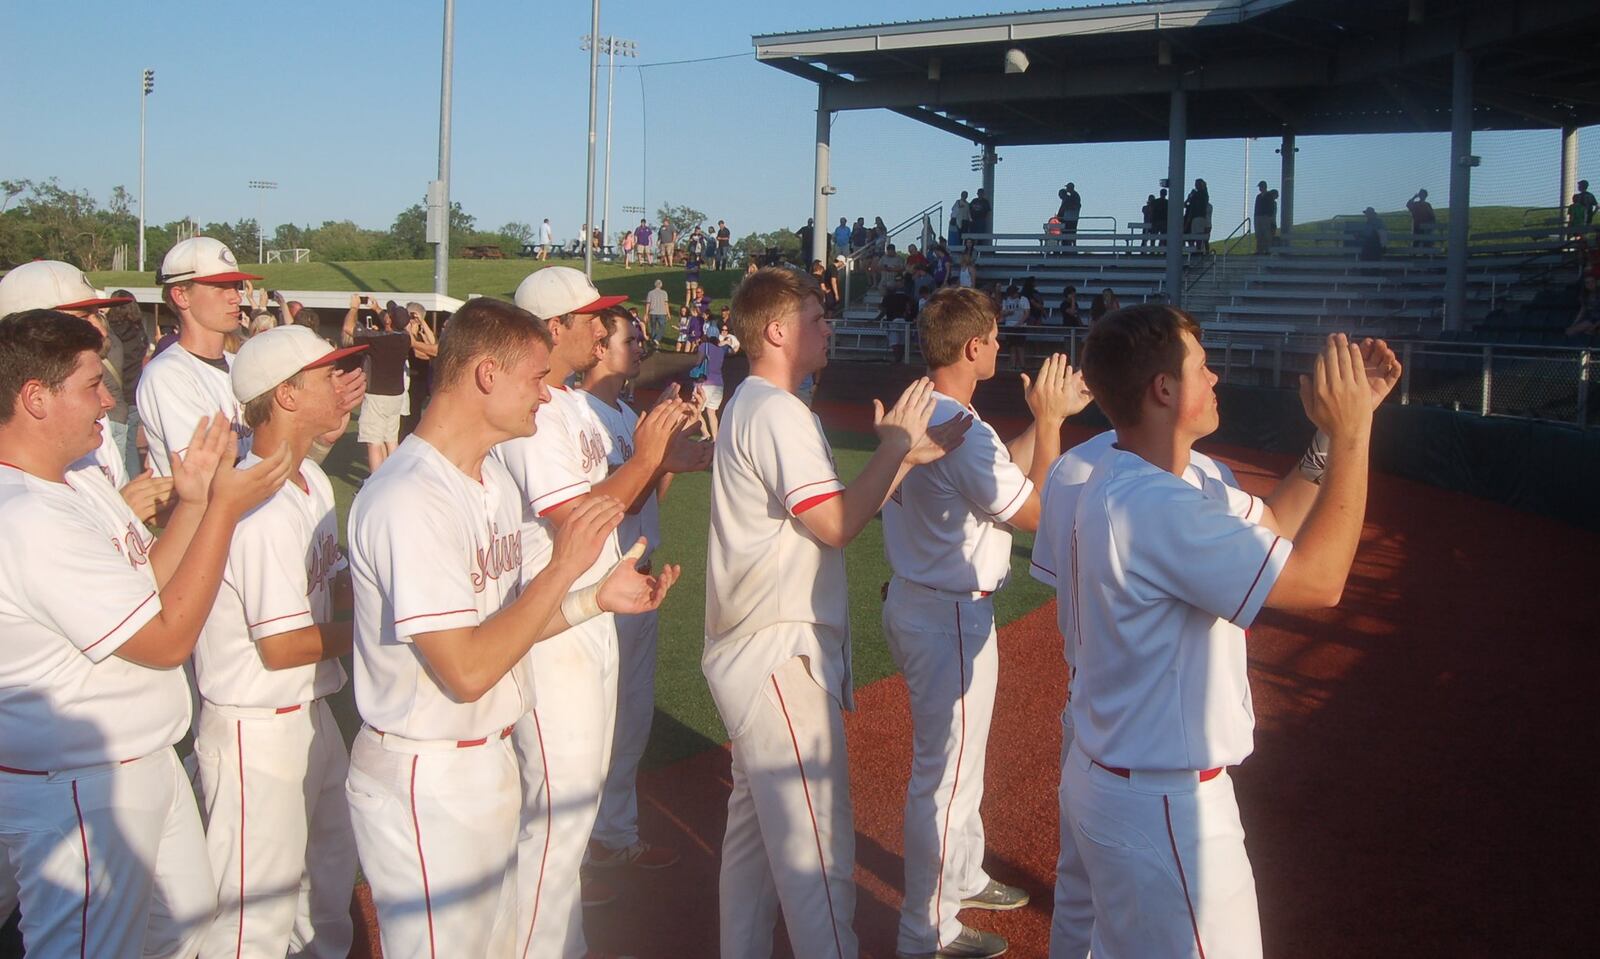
x: 50, y: 285
x: 556, y: 291
x: 201, y: 258
x: 272, y: 356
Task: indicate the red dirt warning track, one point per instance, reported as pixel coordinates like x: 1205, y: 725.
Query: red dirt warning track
x: 1423, y: 781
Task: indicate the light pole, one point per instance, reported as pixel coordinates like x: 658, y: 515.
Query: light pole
x: 441, y: 252
x: 147, y: 84
x: 610, y: 46
x: 261, y: 187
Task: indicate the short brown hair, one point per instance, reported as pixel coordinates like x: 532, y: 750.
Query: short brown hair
x: 486, y: 327
x: 258, y: 411
x: 613, y: 317
x: 952, y: 317
x: 766, y: 296
x: 40, y: 345
x: 1126, y: 348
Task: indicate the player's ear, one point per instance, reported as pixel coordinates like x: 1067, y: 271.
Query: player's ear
x: 284, y: 396
x: 484, y: 372
x: 775, y: 332
x: 1163, y: 390
x: 34, y: 398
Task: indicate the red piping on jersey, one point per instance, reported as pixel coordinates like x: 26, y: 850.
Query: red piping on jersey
x: 239, y: 739
x: 416, y: 827
x: 955, y: 784
x: 817, y: 500
x: 833, y: 922
x: 549, y: 811
x: 997, y: 513
x: 1049, y: 572
x: 1259, y: 573
x: 1194, y: 923
x: 121, y: 624
x: 789, y: 495
x: 555, y: 492
x: 83, y: 838
x: 303, y: 612
x: 448, y: 612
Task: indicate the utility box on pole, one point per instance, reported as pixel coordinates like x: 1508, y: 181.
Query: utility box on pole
x: 438, y: 218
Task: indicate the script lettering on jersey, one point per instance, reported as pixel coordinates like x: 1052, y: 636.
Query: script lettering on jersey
x: 133, y: 548
x: 593, y: 449
x: 624, y: 447
x: 502, y: 555
x: 324, y: 557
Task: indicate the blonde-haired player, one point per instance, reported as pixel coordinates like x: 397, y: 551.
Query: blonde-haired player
x: 777, y: 653
x: 947, y: 533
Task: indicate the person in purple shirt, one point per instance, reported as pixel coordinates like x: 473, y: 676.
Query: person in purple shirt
x: 642, y: 237
x: 713, y: 352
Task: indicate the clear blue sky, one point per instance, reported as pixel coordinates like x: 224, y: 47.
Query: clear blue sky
x: 339, y: 103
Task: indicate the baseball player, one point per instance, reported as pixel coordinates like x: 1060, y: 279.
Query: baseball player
x: 188, y: 382
x: 53, y: 285
x: 1169, y: 566
x: 615, y: 840
x: 947, y: 533
x: 564, y: 741
x: 443, y: 617
x: 777, y: 653
x: 272, y: 761
x: 98, y: 827
x: 1072, y: 917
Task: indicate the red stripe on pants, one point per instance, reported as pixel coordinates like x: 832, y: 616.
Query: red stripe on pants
x: 833, y: 922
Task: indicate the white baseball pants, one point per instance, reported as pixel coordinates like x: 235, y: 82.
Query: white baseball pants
x: 1166, y: 861
x: 278, y: 830
x: 1072, y: 918
x: 945, y: 646
x: 617, y: 826
x: 436, y: 825
x: 108, y: 861
x: 564, y: 747
x: 790, y: 840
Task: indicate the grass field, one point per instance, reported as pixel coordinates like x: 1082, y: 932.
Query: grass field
x: 467, y: 277
x: 686, y: 720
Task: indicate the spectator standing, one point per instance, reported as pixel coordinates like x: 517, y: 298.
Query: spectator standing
x: 629, y: 242
x: 806, y: 234
x: 1584, y: 205
x: 1147, y: 220
x: 1197, y: 216
x: 125, y: 322
x: 713, y: 354
x: 980, y: 213
x: 1158, y: 218
x: 1013, y: 314
x: 841, y: 237
x: 859, y: 235
x: 691, y: 276
x: 1423, y: 220
x: 424, y: 348
x: 657, y: 308
x: 668, y: 237
x: 547, y: 239
x: 827, y: 279
x: 387, y: 349
x: 1373, y: 235
x: 892, y: 268
x: 1266, y: 217
x: 961, y: 216
x: 1067, y: 213
x: 725, y: 243
x: 967, y: 270
x: 683, y: 343
x: 643, y: 237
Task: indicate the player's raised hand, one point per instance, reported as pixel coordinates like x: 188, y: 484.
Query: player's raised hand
x: 670, y: 394
x: 906, y: 423
x: 579, y: 540
x: 147, y: 495
x: 1382, y: 368
x: 211, y: 446
x: 657, y: 428
x: 1336, y: 395
x: 685, y: 453
x: 240, y: 491
x: 940, y: 439
x: 1057, y: 393
x: 628, y: 590
x: 351, y: 388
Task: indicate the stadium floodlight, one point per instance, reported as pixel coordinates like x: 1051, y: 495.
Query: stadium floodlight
x: 261, y: 187
x: 611, y: 47
x: 147, y: 84
x: 1016, y: 61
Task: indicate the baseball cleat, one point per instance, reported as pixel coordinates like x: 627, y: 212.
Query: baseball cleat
x: 970, y: 943
x: 640, y: 855
x: 997, y: 897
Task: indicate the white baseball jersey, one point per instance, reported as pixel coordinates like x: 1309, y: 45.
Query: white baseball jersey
x: 773, y: 590
x: 1058, y: 509
x: 278, y: 578
x: 619, y: 423
x: 176, y: 392
x: 1168, y: 573
x: 81, y: 588
x: 944, y: 527
x: 561, y: 461
x: 106, y: 458
x: 431, y: 549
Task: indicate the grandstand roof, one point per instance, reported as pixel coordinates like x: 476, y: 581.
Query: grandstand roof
x: 1103, y: 73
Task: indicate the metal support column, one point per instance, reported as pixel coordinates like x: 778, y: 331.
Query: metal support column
x: 1455, y: 277
x: 1569, y: 168
x: 819, y: 213
x: 441, y: 252
x: 989, y: 161
x: 1286, y: 186
x: 1177, y: 144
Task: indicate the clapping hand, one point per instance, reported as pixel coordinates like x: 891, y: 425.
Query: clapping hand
x: 628, y: 590
x: 906, y: 425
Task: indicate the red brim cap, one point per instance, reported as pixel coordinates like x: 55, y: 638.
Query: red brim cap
x: 224, y: 278
x: 335, y: 357
x: 604, y: 303
x: 95, y: 303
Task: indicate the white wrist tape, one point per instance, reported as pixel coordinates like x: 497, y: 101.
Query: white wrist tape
x: 1315, y: 461
x: 581, y: 605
